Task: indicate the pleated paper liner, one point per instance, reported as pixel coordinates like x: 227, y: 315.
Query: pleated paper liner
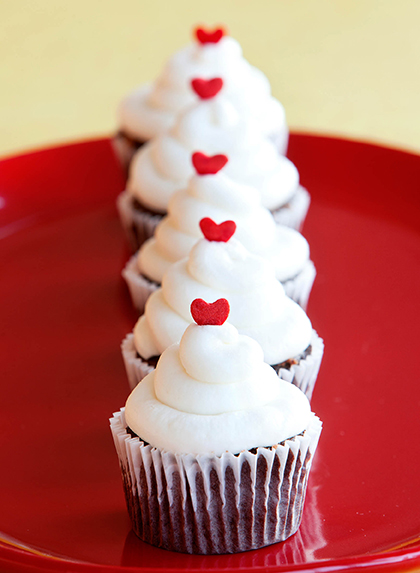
x: 208, y: 504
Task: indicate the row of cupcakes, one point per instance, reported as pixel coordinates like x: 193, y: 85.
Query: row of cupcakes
x: 210, y: 192
x: 212, y: 206
x: 152, y: 109
x: 212, y: 126
x: 214, y: 448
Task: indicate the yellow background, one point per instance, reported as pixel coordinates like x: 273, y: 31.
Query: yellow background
x: 348, y: 67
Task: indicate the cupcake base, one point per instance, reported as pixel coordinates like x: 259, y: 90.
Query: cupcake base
x: 300, y: 371
x: 139, y: 223
x: 293, y: 214
x: 303, y: 373
x: 208, y: 504
x: 135, y: 367
x: 299, y: 287
x: 139, y: 287
x: 124, y: 148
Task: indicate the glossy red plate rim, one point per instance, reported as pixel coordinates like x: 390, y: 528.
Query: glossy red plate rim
x: 18, y: 558
x: 26, y: 559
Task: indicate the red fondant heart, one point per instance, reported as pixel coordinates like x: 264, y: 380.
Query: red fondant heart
x: 214, y: 313
x: 208, y: 165
x: 214, y: 232
x: 206, y: 89
x: 206, y: 37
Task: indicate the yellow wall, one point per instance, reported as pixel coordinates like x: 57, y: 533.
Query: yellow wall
x: 345, y: 67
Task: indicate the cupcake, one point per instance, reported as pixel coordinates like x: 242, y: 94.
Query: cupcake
x: 219, y: 266
x: 215, y: 450
x: 212, y: 193
x: 214, y: 126
x: 152, y: 109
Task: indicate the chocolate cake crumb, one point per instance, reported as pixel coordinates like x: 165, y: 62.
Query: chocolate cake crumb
x: 152, y: 361
x: 287, y: 364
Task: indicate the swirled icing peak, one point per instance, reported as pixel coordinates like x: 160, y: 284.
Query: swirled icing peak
x: 221, y: 198
x: 213, y: 393
x: 152, y: 109
x: 216, y: 270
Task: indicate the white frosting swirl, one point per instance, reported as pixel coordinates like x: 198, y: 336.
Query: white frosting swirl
x: 259, y: 306
x: 221, y: 198
x: 212, y: 126
x: 150, y: 110
x: 213, y: 393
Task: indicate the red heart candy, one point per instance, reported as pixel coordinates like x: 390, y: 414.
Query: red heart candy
x: 214, y: 232
x: 212, y: 37
x: 207, y: 164
x: 214, y: 313
x: 206, y: 89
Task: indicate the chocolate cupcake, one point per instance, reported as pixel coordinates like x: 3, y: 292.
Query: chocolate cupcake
x: 215, y: 450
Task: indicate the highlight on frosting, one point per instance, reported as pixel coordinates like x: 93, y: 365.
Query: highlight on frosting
x: 152, y: 109
x: 221, y: 198
x: 213, y: 393
x: 216, y: 270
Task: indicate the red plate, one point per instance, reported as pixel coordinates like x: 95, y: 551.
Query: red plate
x: 65, y: 311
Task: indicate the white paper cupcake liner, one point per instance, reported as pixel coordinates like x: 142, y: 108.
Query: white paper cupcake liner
x: 138, y: 225
x: 140, y: 288
x: 304, y: 374
x: 124, y: 149
x: 293, y: 214
x: 207, y: 504
x: 135, y: 367
x: 299, y: 288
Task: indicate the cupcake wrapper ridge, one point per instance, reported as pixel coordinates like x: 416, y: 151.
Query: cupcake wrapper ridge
x: 206, y: 504
x: 138, y: 225
x: 294, y: 213
x: 139, y: 287
x: 304, y: 374
x: 299, y: 288
x: 125, y: 148
x: 135, y: 367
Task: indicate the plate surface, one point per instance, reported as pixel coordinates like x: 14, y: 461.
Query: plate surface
x: 65, y: 311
